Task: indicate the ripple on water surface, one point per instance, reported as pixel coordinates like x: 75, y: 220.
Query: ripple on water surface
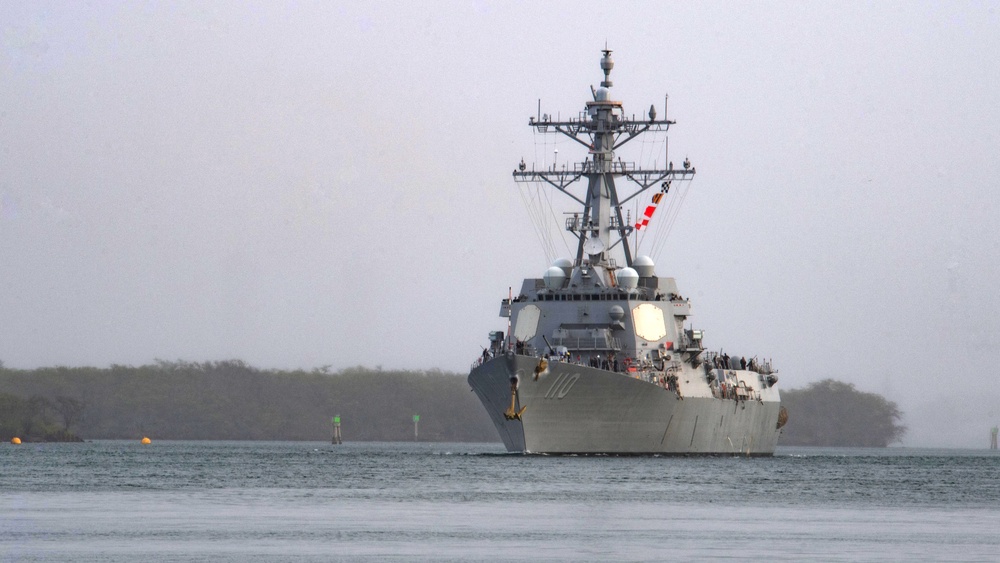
x: 247, y: 500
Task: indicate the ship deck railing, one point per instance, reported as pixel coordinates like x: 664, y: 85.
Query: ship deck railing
x: 723, y: 387
x: 588, y: 344
x: 717, y: 361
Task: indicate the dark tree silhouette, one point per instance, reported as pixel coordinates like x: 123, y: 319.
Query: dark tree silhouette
x: 231, y: 400
x: 69, y: 410
x: 833, y: 413
x: 29, y: 419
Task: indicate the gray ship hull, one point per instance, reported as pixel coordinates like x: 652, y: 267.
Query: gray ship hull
x: 626, y: 371
x: 574, y: 409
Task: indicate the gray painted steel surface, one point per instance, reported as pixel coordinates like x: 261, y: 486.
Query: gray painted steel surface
x: 579, y: 409
x: 597, y: 358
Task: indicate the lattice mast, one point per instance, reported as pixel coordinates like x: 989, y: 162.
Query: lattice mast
x: 600, y: 227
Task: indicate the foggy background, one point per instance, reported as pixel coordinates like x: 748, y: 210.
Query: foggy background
x: 309, y: 184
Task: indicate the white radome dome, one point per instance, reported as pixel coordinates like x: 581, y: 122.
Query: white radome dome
x: 628, y: 278
x: 644, y: 265
x: 566, y: 264
x: 554, y: 277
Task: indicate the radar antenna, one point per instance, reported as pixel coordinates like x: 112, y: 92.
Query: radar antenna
x: 602, y: 128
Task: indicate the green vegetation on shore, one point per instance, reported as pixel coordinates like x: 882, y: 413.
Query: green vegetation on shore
x: 34, y: 419
x: 230, y: 400
x: 833, y: 413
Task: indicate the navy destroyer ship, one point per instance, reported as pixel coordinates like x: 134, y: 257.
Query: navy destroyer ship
x: 598, y: 356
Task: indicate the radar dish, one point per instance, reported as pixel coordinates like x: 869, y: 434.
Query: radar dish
x: 593, y: 246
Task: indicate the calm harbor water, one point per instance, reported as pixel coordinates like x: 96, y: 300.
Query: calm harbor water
x: 264, y: 501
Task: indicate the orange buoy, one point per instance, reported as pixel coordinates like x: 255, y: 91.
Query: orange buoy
x: 146, y: 440
x: 15, y: 440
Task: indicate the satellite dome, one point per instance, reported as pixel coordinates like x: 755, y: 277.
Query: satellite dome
x: 644, y: 265
x: 616, y: 313
x: 628, y: 278
x: 602, y: 95
x: 554, y: 277
x: 565, y: 264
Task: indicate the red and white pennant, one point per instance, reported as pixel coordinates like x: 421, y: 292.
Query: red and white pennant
x: 648, y: 214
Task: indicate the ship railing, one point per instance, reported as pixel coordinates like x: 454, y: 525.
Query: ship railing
x: 666, y: 379
x: 588, y: 344
x: 716, y: 360
x: 727, y: 386
x: 575, y: 224
x: 588, y: 167
x: 527, y: 350
x: 611, y: 264
x: 614, y: 167
x: 482, y: 359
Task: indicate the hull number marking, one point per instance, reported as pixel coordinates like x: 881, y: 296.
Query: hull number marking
x: 561, y: 386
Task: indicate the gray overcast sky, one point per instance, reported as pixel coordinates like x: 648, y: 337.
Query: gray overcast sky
x: 306, y: 184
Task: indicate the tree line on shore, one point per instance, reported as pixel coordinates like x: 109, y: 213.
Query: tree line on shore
x: 34, y: 418
x: 834, y: 413
x: 230, y: 400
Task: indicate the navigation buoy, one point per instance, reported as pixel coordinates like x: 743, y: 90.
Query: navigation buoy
x: 15, y: 440
x: 146, y: 440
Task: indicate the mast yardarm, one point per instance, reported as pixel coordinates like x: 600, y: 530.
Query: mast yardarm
x: 602, y: 128
x: 599, y: 356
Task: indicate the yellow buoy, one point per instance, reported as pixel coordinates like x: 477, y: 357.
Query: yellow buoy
x: 146, y: 440
x: 15, y: 440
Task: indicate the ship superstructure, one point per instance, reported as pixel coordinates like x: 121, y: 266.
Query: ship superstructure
x: 597, y: 358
